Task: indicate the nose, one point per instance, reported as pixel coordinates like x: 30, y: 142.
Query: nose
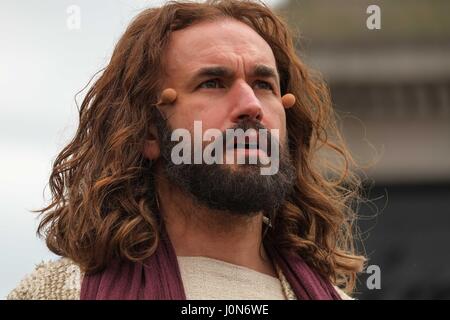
x: 245, y: 103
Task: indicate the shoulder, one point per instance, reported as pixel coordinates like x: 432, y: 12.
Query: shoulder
x: 51, y: 280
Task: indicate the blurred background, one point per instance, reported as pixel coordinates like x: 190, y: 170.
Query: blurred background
x: 390, y: 87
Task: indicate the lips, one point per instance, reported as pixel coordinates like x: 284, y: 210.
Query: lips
x: 251, y: 142
x: 246, y: 146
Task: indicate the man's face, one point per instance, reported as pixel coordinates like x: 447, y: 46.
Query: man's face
x: 225, y: 76
x: 223, y: 71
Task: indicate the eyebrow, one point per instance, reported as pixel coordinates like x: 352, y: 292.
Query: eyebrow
x: 213, y: 72
x: 264, y: 71
x: 259, y: 70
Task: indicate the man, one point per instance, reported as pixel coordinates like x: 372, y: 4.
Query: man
x: 133, y: 223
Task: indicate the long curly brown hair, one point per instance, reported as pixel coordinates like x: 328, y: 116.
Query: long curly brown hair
x: 103, y: 199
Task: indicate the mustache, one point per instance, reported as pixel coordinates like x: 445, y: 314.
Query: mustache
x: 247, y: 123
x: 236, y: 136
x: 257, y: 140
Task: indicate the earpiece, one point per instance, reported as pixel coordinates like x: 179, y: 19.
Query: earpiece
x: 288, y: 100
x: 168, y: 96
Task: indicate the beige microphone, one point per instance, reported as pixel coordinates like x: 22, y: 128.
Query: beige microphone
x: 288, y: 100
x: 168, y: 96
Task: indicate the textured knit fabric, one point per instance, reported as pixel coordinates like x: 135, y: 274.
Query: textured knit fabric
x: 61, y: 280
x: 211, y: 279
x: 53, y: 280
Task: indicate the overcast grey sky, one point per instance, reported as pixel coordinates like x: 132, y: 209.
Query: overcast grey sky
x: 42, y: 65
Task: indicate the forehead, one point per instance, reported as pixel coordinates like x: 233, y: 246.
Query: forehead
x: 225, y: 42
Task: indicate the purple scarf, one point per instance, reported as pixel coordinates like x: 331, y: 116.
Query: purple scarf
x: 159, y: 278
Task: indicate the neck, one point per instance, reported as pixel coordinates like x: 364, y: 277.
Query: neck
x: 196, y: 230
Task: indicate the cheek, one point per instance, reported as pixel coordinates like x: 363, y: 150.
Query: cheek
x: 216, y: 118
x: 183, y: 116
x: 276, y: 119
x: 212, y: 114
x: 283, y: 130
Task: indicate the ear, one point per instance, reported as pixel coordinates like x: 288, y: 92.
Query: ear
x: 151, y: 146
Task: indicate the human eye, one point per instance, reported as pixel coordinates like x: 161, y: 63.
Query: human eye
x: 264, y: 85
x: 211, y: 84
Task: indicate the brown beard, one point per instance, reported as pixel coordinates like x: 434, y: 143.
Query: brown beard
x: 241, y: 191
